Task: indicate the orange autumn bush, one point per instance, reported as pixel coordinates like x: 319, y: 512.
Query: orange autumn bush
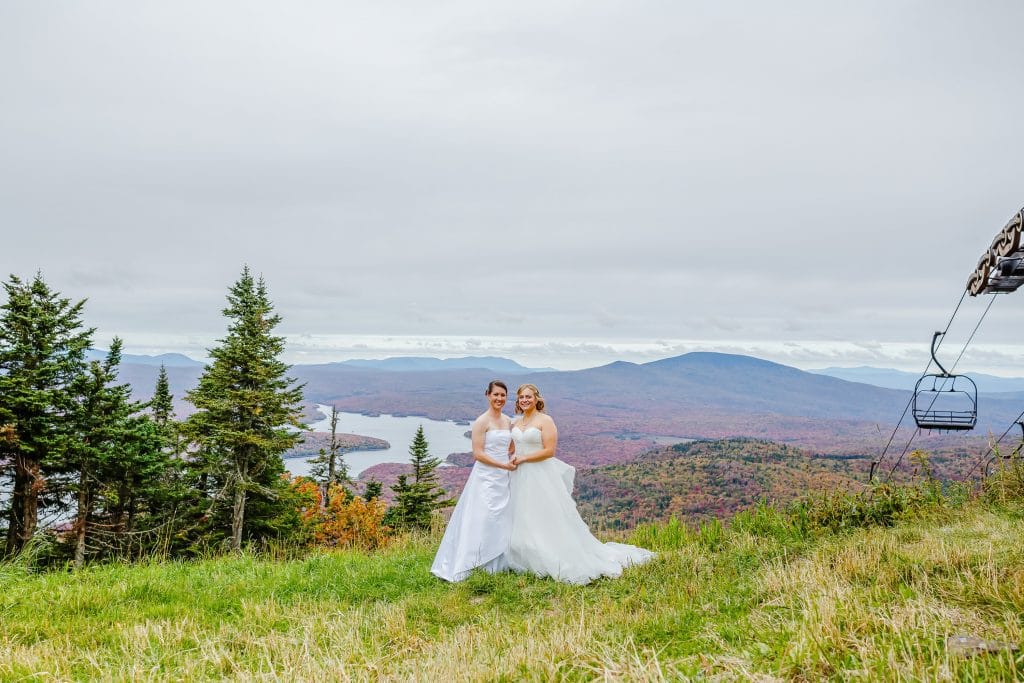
x: 342, y: 520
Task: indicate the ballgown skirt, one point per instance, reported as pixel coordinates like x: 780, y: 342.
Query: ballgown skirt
x: 549, y: 538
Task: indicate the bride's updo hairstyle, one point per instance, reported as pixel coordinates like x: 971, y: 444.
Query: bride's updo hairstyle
x: 536, y: 393
x: 495, y: 383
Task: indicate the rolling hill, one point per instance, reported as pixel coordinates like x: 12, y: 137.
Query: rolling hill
x: 705, y: 479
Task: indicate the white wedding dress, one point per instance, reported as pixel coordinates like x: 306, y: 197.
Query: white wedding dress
x: 478, y: 531
x: 549, y: 538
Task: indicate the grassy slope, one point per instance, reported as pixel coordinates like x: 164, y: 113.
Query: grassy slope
x: 751, y: 602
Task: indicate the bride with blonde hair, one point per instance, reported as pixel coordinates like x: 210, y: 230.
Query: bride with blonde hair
x: 548, y: 536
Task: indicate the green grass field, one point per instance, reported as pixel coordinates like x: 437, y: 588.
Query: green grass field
x: 748, y: 602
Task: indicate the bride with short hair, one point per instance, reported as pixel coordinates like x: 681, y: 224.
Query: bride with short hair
x: 548, y: 536
x: 477, y: 534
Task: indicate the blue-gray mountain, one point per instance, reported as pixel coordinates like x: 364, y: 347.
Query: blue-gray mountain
x: 899, y: 379
x: 423, y: 363
x: 170, y: 360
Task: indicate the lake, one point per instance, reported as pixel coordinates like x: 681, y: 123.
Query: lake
x: 444, y: 438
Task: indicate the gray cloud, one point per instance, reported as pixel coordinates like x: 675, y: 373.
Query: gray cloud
x: 647, y: 170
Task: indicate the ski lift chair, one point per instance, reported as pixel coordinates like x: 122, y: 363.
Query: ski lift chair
x: 943, y: 401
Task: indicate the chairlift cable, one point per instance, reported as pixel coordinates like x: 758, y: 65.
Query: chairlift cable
x: 911, y: 399
x: 973, y: 332
x: 949, y: 372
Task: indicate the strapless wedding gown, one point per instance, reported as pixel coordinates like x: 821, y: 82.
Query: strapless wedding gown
x: 478, y: 531
x: 549, y: 538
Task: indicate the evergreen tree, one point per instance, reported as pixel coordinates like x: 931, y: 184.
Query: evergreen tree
x: 374, y: 489
x: 115, y: 467
x: 423, y: 464
x: 415, y: 502
x: 162, y: 403
x: 141, y: 490
x: 245, y: 402
x: 101, y: 410
x: 42, y: 353
x: 168, y: 495
x: 161, y: 407
x: 329, y: 467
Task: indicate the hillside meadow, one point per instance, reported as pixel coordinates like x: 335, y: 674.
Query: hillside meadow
x: 763, y: 597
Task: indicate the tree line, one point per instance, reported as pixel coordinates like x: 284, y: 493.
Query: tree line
x: 88, y: 473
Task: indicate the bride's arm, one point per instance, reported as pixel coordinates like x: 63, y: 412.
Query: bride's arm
x: 479, y: 432
x: 549, y: 443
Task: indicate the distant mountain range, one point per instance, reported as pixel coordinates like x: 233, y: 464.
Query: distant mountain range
x: 887, y: 378
x: 613, y: 413
x: 899, y: 379
x: 424, y: 364
x: 170, y: 360
x: 396, y: 364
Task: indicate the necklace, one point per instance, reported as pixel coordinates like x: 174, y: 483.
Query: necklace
x: 524, y: 423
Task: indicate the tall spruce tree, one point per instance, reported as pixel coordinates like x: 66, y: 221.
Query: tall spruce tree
x: 164, y: 491
x: 245, y: 402
x: 162, y: 403
x: 42, y: 354
x: 416, y: 501
x: 161, y: 408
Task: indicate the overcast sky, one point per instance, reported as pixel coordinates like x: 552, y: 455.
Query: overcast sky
x: 561, y: 183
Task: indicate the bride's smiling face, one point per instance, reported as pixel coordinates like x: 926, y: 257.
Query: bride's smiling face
x: 497, y: 398
x: 527, y: 400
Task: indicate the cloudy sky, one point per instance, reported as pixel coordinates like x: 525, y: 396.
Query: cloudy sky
x: 561, y: 183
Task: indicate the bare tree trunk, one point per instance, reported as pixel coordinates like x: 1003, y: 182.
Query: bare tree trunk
x: 121, y: 510
x: 24, y: 516
x: 238, y: 511
x: 332, y: 461
x: 81, y: 518
x: 129, y: 521
x: 331, y: 464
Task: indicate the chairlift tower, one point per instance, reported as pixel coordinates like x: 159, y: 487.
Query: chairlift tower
x: 1001, y: 268
x: 947, y: 402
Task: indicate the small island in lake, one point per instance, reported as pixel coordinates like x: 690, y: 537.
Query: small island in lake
x: 312, y: 442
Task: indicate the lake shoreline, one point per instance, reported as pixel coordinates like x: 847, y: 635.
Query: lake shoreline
x: 391, y: 434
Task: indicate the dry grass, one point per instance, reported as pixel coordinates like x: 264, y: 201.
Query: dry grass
x: 873, y: 605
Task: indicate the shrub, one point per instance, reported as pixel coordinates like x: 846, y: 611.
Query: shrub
x: 1004, y: 484
x: 341, y: 519
x: 767, y: 520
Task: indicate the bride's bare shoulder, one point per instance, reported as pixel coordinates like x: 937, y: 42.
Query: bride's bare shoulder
x: 538, y: 419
